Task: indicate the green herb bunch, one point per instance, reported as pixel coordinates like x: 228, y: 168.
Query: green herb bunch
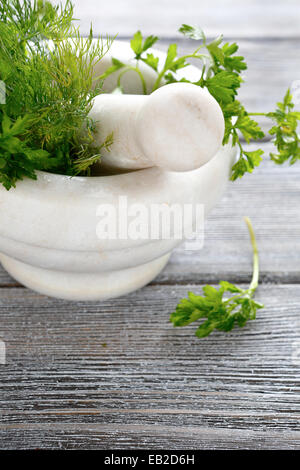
x: 221, y: 70
x: 47, y: 69
x: 223, y: 308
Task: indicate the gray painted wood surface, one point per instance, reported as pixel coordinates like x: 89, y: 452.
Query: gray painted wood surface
x: 235, y: 18
x: 117, y: 374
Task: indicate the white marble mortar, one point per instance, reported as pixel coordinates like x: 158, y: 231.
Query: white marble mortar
x: 48, y: 238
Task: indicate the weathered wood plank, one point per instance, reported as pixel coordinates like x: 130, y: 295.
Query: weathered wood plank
x: 118, y: 375
x: 6, y: 280
x: 251, y: 18
x: 270, y: 197
x: 90, y: 436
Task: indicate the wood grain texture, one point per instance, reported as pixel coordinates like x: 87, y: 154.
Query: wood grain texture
x: 118, y: 375
x: 234, y: 18
x: 270, y: 197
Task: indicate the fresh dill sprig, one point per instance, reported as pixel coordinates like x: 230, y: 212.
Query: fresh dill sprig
x: 223, y: 308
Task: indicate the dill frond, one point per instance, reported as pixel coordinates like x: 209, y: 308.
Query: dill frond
x: 50, y: 86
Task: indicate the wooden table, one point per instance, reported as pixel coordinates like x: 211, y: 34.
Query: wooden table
x: 116, y: 374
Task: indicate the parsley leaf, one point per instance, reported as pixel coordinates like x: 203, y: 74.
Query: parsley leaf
x: 248, y: 127
x: 217, y: 308
x: 236, y: 63
x: 139, y: 46
x: 222, y: 79
x: 246, y: 163
x: 192, y: 32
x: 151, y: 61
x: 136, y: 43
x: 223, y: 86
x: 17, y: 159
x: 286, y: 137
x: 221, y: 75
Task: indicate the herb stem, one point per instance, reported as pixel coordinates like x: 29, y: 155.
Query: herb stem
x: 195, y: 56
x: 187, y: 56
x: 158, y: 80
x: 255, y: 275
x: 214, y: 309
x: 137, y: 70
x: 256, y: 114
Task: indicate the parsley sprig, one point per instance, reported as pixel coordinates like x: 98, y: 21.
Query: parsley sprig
x: 218, y: 308
x: 286, y: 137
x: 221, y: 75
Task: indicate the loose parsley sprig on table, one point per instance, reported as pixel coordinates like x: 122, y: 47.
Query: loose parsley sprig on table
x: 221, y: 75
x: 221, y: 313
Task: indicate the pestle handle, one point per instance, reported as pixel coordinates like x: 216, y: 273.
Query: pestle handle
x: 179, y: 127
